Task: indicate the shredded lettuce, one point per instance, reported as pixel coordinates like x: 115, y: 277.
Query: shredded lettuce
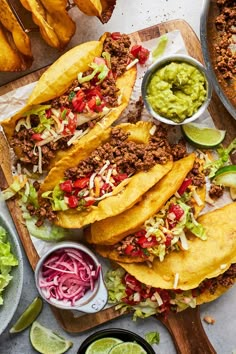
x: 38, y: 110
x: 152, y: 337
x: 223, y: 159
x: 101, y: 69
x: 7, y: 261
x: 160, y: 48
x: 18, y: 184
x: 115, y: 287
x: 57, y: 198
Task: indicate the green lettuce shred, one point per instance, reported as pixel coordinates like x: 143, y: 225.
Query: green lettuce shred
x: 152, y: 337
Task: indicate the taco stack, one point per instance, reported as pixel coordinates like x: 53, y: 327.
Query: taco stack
x: 105, y: 176
x: 183, y: 279
x: 78, y: 97
x: 155, y: 225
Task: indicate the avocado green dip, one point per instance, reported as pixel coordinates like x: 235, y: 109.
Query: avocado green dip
x: 176, y: 91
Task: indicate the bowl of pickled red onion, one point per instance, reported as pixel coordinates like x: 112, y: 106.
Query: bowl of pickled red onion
x: 69, y: 276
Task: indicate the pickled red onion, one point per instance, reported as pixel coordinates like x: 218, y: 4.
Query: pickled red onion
x: 67, y: 274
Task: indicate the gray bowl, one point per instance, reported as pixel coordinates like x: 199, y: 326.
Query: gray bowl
x: 167, y: 60
x: 11, y: 295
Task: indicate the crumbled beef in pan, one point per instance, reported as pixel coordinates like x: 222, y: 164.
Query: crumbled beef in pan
x: 129, y: 156
x: 226, y: 25
x: 216, y: 191
x: 134, y: 115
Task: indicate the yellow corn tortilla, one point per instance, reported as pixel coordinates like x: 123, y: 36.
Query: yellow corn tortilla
x: 134, y: 187
x: 112, y: 230
x: 10, y: 59
x: 204, y: 259
x: 59, y: 77
x: 206, y: 296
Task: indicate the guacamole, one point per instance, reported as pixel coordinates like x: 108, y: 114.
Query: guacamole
x: 176, y: 91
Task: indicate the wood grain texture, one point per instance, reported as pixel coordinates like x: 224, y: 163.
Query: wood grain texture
x: 186, y: 327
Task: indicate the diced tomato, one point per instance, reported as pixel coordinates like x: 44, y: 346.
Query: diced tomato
x: 106, y: 187
x: 140, y: 53
x: 99, y: 61
x: 144, y: 243
x: 133, y: 283
x: 72, y: 122
x: 129, y: 249
x: 135, y: 50
x: 177, y: 210
x: 81, y: 183
x: 143, y: 55
x: 121, y: 177
x: 184, y: 186
x: 78, y: 101
x: 116, y: 35
x: 66, y: 186
x: 92, y: 103
x: 73, y: 201
x: 95, y: 91
x: 110, y: 75
x: 168, y: 240
x: 140, y: 233
x: 36, y: 136
x: 48, y: 113
x: 89, y: 203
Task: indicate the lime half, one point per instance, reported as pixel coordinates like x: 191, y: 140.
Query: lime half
x: 226, y: 176
x: 203, y: 137
x: 127, y: 347
x: 45, y: 341
x: 28, y: 316
x: 103, y: 345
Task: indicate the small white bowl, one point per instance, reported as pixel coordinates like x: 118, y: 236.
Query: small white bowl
x: 182, y: 58
x: 93, y: 301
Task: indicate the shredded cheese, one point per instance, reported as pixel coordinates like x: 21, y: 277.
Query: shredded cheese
x: 133, y: 63
x: 184, y: 241
x: 91, y: 181
x: 40, y: 160
x: 176, y: 281
x: 158, y: 298
x: 153, y: 129
x: 197, y: 198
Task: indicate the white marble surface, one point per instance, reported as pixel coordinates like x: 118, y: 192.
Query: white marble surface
x: 129, y: 16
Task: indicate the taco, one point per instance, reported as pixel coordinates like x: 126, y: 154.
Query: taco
x: 105, y: 176
x: 184, y: 278
x: 156, y: 225
x: 101, y: 8
x: 78, y: 97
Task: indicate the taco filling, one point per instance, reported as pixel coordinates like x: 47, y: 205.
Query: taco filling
x: 57, y: 124
x: 165, y: 231
x: 144, y: 300
x: 104, y: 173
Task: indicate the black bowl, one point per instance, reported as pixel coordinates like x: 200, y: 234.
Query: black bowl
x: 122, y: 334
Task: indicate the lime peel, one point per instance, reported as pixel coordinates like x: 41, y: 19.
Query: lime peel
x: 203, y: 137
x: 45, y: 341
x: 103, y: 345
x: 127, y: 347
x: 226, y: 176
x: 28, y: 316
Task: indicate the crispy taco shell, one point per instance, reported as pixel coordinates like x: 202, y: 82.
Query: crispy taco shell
x: 59, y: 77
x: 112, y: 230
x: 56, y: 26
x: 101, y: 8
x: 204, y: 259
x: 127, y: 193
x: 10, y: 59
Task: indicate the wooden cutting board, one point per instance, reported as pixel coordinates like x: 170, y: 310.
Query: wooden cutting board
x: 186, y: 328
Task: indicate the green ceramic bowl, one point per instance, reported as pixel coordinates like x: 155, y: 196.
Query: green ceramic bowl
x: 12, y: 293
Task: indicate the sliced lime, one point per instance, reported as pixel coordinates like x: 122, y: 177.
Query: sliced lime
x: 226, y: 176
x: 203, y: 137
x: 127, y: 347
x: 28, y: 316
x: 103, y: 345
x: 45, y: 341
x: 233, y: 192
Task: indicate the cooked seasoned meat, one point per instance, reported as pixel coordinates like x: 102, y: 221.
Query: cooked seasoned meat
x: 198, y: 177
x: 134, y: 115
x: 216, y: 191
x: 179, y: 150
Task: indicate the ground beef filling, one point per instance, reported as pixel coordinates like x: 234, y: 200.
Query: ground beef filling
x: 196, y: 175
x: 128, y: 156
x: 227, y: 279
x: 226, y: 25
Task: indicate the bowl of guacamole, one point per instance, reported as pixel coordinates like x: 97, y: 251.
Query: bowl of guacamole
x: 176, y: 89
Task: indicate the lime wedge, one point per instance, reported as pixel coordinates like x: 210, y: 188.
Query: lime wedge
x: 103, y: 345
x: 203, y: 137
x: 226, y: 176
x: 28, y: 316
x: 45, y: 341
x: 127, y: 347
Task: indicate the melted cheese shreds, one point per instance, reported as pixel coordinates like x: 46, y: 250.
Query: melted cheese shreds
x: 176, y: 281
